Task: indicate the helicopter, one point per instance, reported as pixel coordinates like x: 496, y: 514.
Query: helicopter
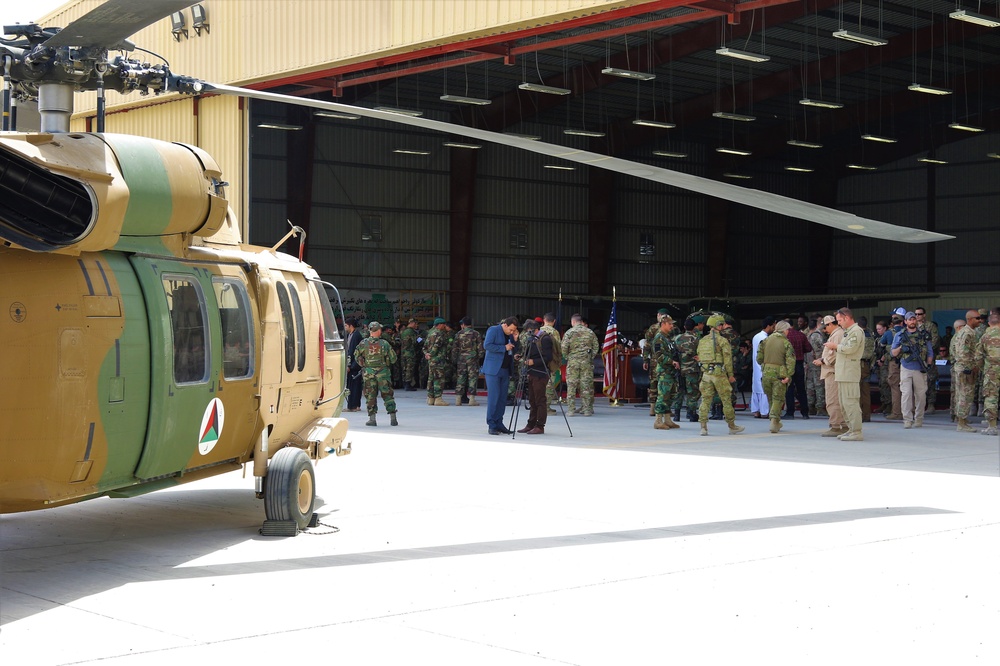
x: 146, y: 345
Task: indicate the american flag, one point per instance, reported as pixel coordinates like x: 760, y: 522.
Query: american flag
x: 608, y: 353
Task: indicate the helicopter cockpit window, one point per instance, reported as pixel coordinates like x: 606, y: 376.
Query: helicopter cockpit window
x: 331, y: 334
x: 300, y: 327
x: 187, y: 318
x: 288, y: 325
x: 234, y: 315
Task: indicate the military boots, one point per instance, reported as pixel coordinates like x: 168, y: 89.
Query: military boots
x: 371, y: 421
x: 661, y: 422
x: 472, y: 401
x: 963, y: 426
x: 392, y: 419
x: 775, y: 425
x: 735, y: 429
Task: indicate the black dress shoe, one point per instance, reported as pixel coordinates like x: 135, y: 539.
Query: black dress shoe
x: 805, y: 415
x: 788, y: 415
x: 494, y: 432
x: 503, y: 430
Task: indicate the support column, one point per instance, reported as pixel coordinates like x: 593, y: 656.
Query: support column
x: 462, y: 206
x: 600, y: 229
x: 299, y: 164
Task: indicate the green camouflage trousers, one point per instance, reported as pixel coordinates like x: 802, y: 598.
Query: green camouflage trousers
x: 376, y: 382
x: 688, y: 393
x: 815, y: 388
x: 963, y: 391
x: 410, y: 367
x: 437, y: 373
x: 774, y: 389
x: 580, y: 379
x: 709, y: 387
x: 466, y: 377
x: 551, y: 389
x: 666, y: 386
x: 991, y: 384
x: 654, y: 381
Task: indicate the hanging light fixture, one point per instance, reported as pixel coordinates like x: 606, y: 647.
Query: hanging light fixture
x: 803, y: 144
x: 548, y: 90
x: 742, y: 55
x: 966, y: 128
x: 973, y: 17
x: 725, y: 115
x: 670, y: 153
x: 878, y: 139
x: 860, y: 38
x: 734, y: 151
x: 930, y: 90
x: 628, y: 74
x: 820, y: 104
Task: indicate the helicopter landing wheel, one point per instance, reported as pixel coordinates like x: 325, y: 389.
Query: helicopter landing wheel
x: 290, y: 487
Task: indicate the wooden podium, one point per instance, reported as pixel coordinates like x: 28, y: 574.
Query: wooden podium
x: 633, y: 381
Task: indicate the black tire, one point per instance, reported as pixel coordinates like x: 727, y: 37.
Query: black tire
x: 290, y: 487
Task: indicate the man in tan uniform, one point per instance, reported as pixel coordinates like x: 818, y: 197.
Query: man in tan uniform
x: 827, y: 364
x: 848, y: 373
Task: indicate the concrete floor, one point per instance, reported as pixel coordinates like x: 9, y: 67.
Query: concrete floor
x: 618, y: 545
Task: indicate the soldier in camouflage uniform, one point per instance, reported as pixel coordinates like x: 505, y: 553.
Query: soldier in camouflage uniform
x: 776, y: 358
x: 965, y: 370
x: 579, y: 347
x: 988, y: 354
x: 665, y: 355
x: 408, y: 349
x: 815, y: 387
x: 687, y: 351
x: 730, y: 333
x: 468, y: 357
x: 932, y: 374
x: 649, y: 366
x: 390, y: 335
x: 449, y: 350
x: 716, y: 359
x: 436, y: 353
x: 984, y: 318
x: 552, y: 389
x: 375, y: 356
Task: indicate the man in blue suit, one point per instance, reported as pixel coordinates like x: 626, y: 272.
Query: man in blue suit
x: 499, y: 346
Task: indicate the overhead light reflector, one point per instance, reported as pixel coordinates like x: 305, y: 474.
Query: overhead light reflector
x: 860, y: 38
x: 408, y: 151
x: 669, y: 153
x: 582, y: 132
x: 743, y: 55
x: 548, y: 90
x: 560, y: 167
x: 462, y: 99
x: 862, y: 167
x: 456, y: 144
x: 733, y: 116
x: 803, y: 144
x: 738, y: 176
x: 529, y: 137
x: 973, y: 17
x: 799, y: 169
x: 995, y: 156
x: 654, y: 123
x: 930, y: 90
x: 403, y: 112
x: 628, y: 74
x: 821, y: 104
x: 966, y: 128
x: 279, y: 126
x: 930, y: 160
x: 335, y: 114
x: 734, y: 151
x: 878, y: 139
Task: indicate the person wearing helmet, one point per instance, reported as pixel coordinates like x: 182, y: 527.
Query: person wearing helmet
x: 716, y: 359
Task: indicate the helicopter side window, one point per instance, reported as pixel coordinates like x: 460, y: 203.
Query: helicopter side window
x: 187, y: 319
x: 300, y: 327
x: 234, y: 316
x: 288, y: 324
x: 331, y: 334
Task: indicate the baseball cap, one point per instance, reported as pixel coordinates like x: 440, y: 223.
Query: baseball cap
x: 909, y: 315
x: 829, y: 319
x: 900, y: 311
x: 374, y: 326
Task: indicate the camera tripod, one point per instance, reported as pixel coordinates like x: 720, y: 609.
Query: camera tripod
x: 519, y: 391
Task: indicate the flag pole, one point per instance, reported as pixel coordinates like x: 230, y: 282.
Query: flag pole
x: 618, y: 377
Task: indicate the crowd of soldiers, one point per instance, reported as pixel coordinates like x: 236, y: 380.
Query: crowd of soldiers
x: 703, y: 357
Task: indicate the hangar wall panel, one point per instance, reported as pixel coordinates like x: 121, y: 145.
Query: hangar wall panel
x: 312, y: 36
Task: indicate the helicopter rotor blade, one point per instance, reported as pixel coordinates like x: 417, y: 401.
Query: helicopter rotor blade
x: 109, y: 25
x: 775, y: 203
